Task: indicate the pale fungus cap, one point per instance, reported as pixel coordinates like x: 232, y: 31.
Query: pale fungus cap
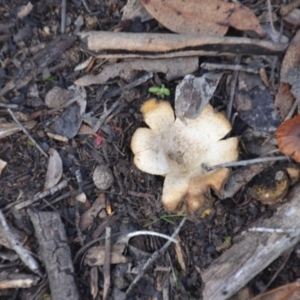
x: 177, y: 150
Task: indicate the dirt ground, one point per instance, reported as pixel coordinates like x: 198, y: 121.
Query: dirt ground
x: 132, y: 202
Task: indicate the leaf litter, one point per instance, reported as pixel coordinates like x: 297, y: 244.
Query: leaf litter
x: 38, y: 70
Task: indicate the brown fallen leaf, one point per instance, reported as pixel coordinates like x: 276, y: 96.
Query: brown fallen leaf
x: 54, y: 171
x: 205, y: 17
x: 284, y: 99
x: 286, y: 292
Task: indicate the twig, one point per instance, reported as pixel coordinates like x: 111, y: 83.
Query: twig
x: 292, y: 111
x: 77, y: 215
x: 69, y: 102
x: 154, y: 256
x: 232, y: 88
x: 129, y: 86
x: 106, y: 267
x: 38, y: 196
x: 12, y: 106
x: 27, y: 133
x: 107, y: 222
x: 271, y: 230
x: 270, y: 17
x: 244, y: 162
x: 287, y: 256
x: 86, y: 6
x: 46, y: 202
x: 127, y: 237
x: 63, y: 15
x: 211, y: 67
x: 105, y: 114
x: 24, y: 255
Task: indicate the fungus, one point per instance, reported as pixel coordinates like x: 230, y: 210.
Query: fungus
x: 288, y: 137
x: 177, y: 150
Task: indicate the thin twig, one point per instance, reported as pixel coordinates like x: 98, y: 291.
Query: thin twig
x: 232, y: 88
x: 212, y: 67
x: 154, y: 256
x: 244, y: 162
x: 270, y: 17
x: 12, y: 106
x: 27, y: 133
x: 105, y: 114
x: 129, y: 86
x: 271, y: 230
x: 38, y: 196
x: 69, y: 102
x: 86, y: 6
x: 292, y: 110
x: 77, y: 214
x: 286, y: 258
x: 106, y: 267
x: 63, y: 15
x: 127, y: 237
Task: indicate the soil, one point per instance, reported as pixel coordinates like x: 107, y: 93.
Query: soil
x: 133, y: 201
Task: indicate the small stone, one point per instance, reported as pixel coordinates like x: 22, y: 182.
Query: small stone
x: 103, y: 177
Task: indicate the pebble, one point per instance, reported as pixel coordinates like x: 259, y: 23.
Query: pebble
x: 103, y: 177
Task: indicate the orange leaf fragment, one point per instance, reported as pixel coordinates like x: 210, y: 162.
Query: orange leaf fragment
x: 288, y: 137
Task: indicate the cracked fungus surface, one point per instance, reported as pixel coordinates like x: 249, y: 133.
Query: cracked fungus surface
x: 177, y: 150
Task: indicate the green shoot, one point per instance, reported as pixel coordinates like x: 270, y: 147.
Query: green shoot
x: 160, y: 91
x: 166, y: 218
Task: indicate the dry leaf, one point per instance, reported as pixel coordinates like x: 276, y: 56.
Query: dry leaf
x: 205, y: 17
x: 57, y: 97
x: 193, y: 94
x: 88, y: 217
x: 2, y: 165
x: 134, y: 9
x: 96, y: 255
x: 259, y: 115
x: 24, y: 10
x: 54, y: 171
x: 292, y: 78
x: 293, y: 17
x: 284, y: 98
x: 286, y: 292
x: 177, y: 150
x: 69, y: 122
x: 172, y: 67
x: 7, y: 129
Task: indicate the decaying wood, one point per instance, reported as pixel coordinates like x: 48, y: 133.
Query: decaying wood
x: 13, y: 280
x: 153, y: 42
x: 254, y: 252
x: 55, y: 253
x: 13, y: 240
